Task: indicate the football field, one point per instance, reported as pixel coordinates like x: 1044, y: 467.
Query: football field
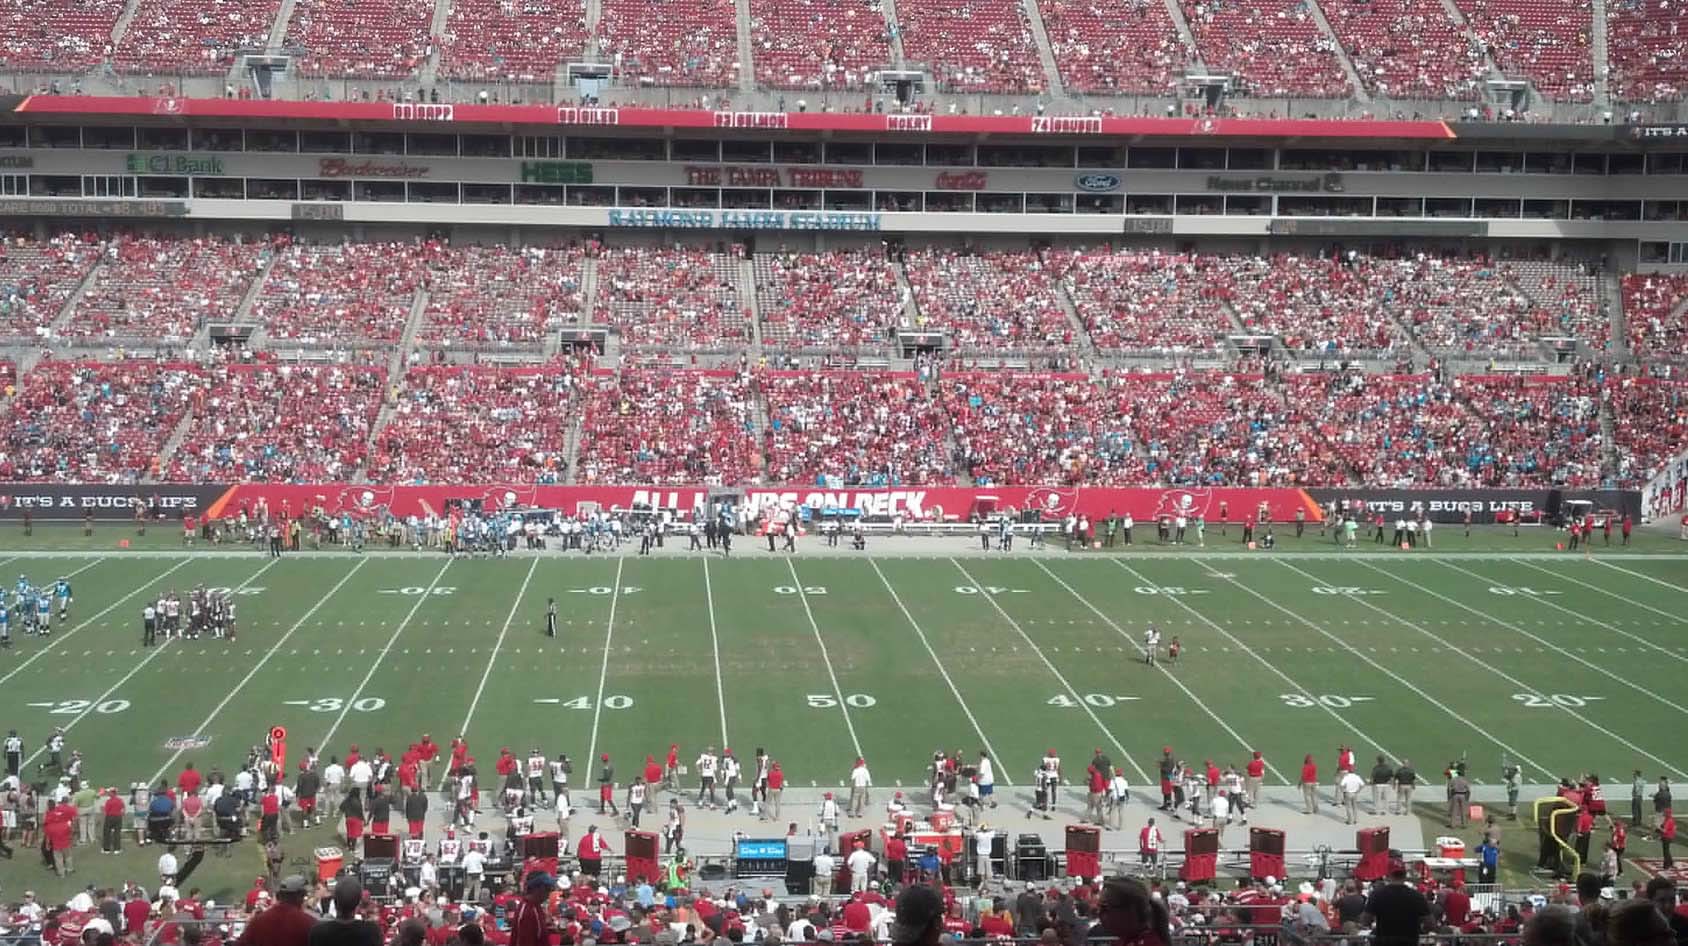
x: 1557, y: 663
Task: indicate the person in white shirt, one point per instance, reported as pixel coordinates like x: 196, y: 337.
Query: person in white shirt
x: 333, y: 784
x: 361, y: 775
x: 706, y: 778
x: 729, y: 778
x: 861, y: 863
x: 167, y: 867
x: 860, y: 781
x: 824, y: 868
x: 987, y: 779
x: 1118, y: 794
x: 1220, y: 808
x: 829, y: 813
x: 982, y: 839
x: 243, y: 786
x: 428, y: 873
x: 474, y: 865
x: 1151, y: 645
x: 1350, y: 785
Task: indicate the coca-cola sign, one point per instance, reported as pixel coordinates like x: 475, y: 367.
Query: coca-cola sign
x: 961, y: 180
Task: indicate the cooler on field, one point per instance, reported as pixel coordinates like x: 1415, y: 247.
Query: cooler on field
x: 1084, y: 844
x: 1265, y: 853
x: 1201, y: 855
x: 329, y: 860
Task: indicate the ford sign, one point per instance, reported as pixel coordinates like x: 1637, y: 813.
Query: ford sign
x: 1097, y: 183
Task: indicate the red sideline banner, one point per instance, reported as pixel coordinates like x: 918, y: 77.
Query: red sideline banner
x: 913, y: 503
x: 422, y: 114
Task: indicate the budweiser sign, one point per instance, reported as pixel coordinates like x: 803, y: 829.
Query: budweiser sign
x: 961, y: 180
x: 340, y: 167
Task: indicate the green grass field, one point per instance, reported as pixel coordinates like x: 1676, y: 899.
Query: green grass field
x: 1561, y: 664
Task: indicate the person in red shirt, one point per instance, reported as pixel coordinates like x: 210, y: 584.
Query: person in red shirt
x: 1620, y: 840
x: 410, y: 773
x: 352, y: 757
x: 1254, y: 774
x: 260, y: 887
x: 1344, y: 759
x: 427, y: 751
x: 653, y: 773
x: 111, y: 823
x: 506, y: 763
x: 1456, y: 904
x: 671, y: 768
x: 189, y: 780
x: 1309, y: 786
x: 1667, y: 835
x: 57, y: 825
x: 896, y: 855
x: 1628, y: 524
x: 269, y: 820
x: 528, y: 925
x: 136, y: 911
x: 776, y: 788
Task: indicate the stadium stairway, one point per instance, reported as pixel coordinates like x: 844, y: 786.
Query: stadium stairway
x: 57, y: 326
x: 889, y: 9
x: 1348, y: 69
x: 1457, y: 17
x: 1087, y: 345
x: 1611, y: 296
x: 747, y: 64
x: 747, y: 292
x: 1597, y: 48
x: 571, y: 445
x: 395, y: 364
x: 1192, y: 52
x: 121, y: 26
x: 436, y: 28
x: 1045, y: 52
x: 1609, y: 464
x: 278, y: 29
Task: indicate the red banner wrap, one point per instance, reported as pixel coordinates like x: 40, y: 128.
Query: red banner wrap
x: 423, y: 115
x: 913, y: 503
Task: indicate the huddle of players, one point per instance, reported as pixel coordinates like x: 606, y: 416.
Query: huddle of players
x: 208, y: 612
x: 32, y: 608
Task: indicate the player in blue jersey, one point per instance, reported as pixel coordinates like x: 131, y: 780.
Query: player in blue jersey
x: 44, y: 612
x: 61, y: 590
x: 5, y: 627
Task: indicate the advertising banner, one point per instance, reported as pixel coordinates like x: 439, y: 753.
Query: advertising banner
x: 45, y: 501
x: 911, y: 503
x: 1450, y: 505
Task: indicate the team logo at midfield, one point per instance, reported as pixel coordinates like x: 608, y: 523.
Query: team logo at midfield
x: 1052, y: 502
x: 1183, y: 502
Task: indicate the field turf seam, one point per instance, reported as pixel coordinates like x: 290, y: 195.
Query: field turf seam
x: 831, y: 672
x: 604, y: 671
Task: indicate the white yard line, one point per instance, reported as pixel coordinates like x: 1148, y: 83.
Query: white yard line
x: 250, y: 674
x: 493, y: 657
x: 1077, y: 698
x: 837, y: 691
x: 715, y: 648
x: 381, y: 655
x: 1563, y: 610
x: 57, y: 639
x: 1404, y: 682
x: 1333, y: 714
x: 1605, y: 560
x: 604, y: 671
x: 1499, y: 673
x: 1675, y: 618
x: 1163, y: 668
x: 983, y: 739
x: 79, y: 717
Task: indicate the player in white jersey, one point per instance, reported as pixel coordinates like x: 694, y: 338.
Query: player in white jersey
x: 536, y: 776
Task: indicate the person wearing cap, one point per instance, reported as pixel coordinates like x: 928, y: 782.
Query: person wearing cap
x: 860, y: 862
x: 828, y: 814
x: 346, y: 929
x: 774, y: 792
x: 825, y: 866
x: 1397, y: 912
x: 528, y: 925
x: 1253, y: 775
x: 286, y: 922
x: 919, y: 917
x: 1309, y: 786
x: 860, y: 781
x: 606, y: 787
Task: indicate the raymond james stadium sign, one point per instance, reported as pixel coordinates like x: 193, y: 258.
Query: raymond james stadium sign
x: 174, y: 164
x: 742, y: 220
x: 1324, y: 184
